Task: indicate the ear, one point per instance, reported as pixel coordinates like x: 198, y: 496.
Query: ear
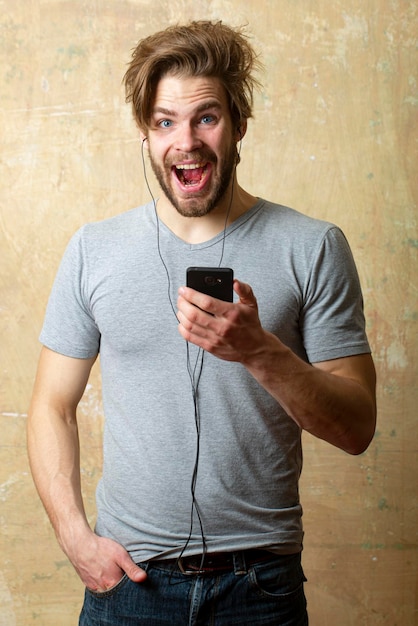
x: 241, y: 130
x: 143, y: 133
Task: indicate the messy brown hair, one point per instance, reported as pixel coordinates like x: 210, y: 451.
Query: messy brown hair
x: 200, y: 48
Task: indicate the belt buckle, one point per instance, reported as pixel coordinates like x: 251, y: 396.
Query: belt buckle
x: 189, y: 571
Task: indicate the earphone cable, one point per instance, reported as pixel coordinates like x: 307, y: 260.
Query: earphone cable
x: 194, y: 373
x: 194, y: 382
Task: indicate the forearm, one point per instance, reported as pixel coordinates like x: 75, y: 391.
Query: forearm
x: 333, y: 400
x: 331, y: 405
x: 54, y: 456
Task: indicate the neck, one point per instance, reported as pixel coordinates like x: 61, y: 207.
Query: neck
x: 196, y: 230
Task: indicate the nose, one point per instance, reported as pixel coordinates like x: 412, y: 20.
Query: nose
x: 187, y: 138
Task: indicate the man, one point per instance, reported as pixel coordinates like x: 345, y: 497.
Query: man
x: 199, y: 520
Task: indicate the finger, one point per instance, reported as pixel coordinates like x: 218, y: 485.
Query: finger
x: 197, y: 340
x: 245, y: 293
x: 136, y: 574
x: 204, y: 302
x: 132, y: 570
x: 192, y: 330
x: 191, y: 315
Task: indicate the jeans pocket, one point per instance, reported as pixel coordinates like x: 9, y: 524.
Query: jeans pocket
x: 281, y: 578
x: 111, y: 591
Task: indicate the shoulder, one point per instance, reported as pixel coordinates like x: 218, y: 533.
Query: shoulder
x: 289, y: 217
x: 119, y: 231
x: 295, y: 226
x: 123, y: 223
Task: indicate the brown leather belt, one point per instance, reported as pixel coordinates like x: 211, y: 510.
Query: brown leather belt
x: 215, y: 561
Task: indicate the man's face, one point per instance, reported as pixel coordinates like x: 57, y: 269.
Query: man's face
x: 192, y: 144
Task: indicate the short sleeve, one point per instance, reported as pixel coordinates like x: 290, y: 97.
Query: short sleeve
x: 69, y: 327
x: 332, y: 320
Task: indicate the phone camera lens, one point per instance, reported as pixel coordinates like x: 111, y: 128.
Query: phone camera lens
x: 212, y: 280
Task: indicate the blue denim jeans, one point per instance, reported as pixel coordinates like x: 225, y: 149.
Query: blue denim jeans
x: 269, y: 593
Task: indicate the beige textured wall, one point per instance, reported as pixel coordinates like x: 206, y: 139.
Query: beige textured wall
x: 335, y: 136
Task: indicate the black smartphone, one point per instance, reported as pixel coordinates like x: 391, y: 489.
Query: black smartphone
x: 213, y: 281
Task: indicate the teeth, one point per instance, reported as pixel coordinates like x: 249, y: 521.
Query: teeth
x: 189, y: 166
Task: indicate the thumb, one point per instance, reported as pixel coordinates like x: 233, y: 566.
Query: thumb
x: 132, y: 570
x: 245, y: 293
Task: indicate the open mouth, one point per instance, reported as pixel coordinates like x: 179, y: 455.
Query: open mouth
x: 191, y: 174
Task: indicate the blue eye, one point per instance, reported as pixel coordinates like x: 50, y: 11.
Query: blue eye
x: 207, y: 119
x: 165, y: 123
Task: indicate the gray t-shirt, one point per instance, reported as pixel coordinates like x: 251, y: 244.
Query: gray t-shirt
x: 112, y: 294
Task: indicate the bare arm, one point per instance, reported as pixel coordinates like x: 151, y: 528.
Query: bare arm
x: 333, y: 400
x: 54, y: 456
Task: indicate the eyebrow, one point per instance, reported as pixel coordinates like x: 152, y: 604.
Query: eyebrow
x: 209, y: 104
